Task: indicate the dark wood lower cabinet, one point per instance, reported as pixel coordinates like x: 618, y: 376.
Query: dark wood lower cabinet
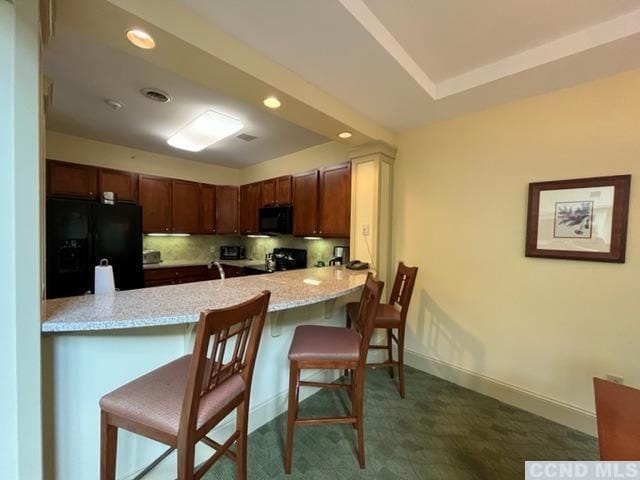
x: 157, y: 277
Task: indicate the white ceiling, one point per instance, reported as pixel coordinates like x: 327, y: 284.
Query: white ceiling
x: 404, y: 63
x: 86, y: 73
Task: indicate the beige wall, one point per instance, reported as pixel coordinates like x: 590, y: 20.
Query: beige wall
x: 73, y: 149
x: 330, y: 153
x: 545, y: 326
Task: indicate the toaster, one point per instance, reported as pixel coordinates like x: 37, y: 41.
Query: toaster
x: 151, y: 256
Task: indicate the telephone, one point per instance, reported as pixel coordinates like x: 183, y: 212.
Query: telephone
x: 357, y: 265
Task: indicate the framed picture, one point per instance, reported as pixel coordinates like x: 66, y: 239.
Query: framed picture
x: 580, y: 219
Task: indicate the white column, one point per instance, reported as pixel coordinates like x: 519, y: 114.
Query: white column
x: 20, y: 435
x: 371, y: 194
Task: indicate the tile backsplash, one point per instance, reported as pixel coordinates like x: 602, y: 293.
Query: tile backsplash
x: 194, y: 248
x: 207, y: 247
x: 316, y: 249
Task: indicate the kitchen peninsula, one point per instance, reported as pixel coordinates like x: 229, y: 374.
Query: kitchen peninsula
x: 96, y: 343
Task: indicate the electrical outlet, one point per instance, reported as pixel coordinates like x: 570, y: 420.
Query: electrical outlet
x: 212, y: 249
x: 365, y: 230
x: 615, y: 379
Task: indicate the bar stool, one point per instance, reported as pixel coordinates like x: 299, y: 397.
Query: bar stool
x: 323, y: 347
x: 390, y: 317
x: 618, y: 417
x: 180, y: 403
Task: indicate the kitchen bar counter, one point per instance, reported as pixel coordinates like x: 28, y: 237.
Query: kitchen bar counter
x: 94, y: 344
x: 179, y: 304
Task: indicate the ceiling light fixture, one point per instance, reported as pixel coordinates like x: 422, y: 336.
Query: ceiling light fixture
x: 345, y: 134
x: 141, y: 39
x: 271, y: 102
x: 115, y: 104
x: 207, y: 129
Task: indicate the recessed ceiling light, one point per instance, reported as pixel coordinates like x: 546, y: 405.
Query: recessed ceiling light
x: 345, y: 134
x: 115, y: 104
x: 271, y: 102
x: 141, y: 39
x: 205, y: 130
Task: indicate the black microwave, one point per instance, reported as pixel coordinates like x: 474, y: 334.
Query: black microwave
x: 276, y: 220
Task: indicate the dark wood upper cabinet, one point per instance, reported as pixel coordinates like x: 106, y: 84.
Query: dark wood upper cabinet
x: 250, y: 203
x: 283, y: 189
x: 227, y: 198
x: 207, y: 209
x: 305, y: 204
x: 185, y: 206
x: 71, y: 180
x: 123, y: 184
x: 335, y: 201
x: 155, y: 199
x: 269, y: 192
x: 276, y: 191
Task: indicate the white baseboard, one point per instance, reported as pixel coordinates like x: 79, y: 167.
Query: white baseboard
x: 546, y: 407
x: 259, y: 414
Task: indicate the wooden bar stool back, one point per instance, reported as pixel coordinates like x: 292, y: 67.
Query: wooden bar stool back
x: 391, y: 316
x: 180, y: 403
x: 323, y: 347
x: 618, y: 417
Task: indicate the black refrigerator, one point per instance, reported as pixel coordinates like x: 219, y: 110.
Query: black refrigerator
x: 80, y: 234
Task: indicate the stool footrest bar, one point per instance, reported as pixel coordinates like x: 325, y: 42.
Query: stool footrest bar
x: 325, y: 385
x: 324, y: 421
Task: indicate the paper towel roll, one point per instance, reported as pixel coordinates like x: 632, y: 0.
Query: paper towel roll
x: 104, y: 282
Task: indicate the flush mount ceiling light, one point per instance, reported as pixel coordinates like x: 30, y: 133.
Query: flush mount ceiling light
x: 271, y: 102
x: 345, y: 134
x: 141, y: 39
x: 207, y: 129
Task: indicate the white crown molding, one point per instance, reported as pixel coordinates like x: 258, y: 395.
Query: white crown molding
x: 575, y: 43
x: 563, y: 47
x: 375, y: 27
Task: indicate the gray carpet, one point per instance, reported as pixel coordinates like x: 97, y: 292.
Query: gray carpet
x: 440, y: 431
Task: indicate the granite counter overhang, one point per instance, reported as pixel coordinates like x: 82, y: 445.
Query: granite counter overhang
x: 180, y: 304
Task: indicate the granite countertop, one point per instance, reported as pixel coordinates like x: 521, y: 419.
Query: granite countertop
x: 197, y: 263
x: 179, y: 304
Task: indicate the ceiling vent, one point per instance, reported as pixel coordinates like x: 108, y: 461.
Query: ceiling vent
x: 246, y: 137
x: 156, y: 95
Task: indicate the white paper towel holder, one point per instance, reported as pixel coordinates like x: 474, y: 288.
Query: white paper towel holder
x: 103, y: 281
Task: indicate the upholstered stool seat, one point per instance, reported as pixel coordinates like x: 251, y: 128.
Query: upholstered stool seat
x: 387, y: 316
x: 316, y: 342
x: 156, y: 399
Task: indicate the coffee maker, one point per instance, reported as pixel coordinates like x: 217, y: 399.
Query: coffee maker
x: 340, y: 255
